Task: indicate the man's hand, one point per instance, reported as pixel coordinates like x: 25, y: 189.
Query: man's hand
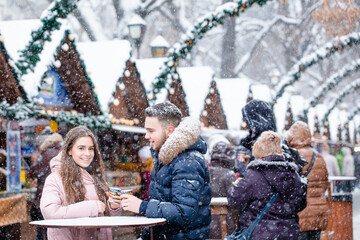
x: 130, y: 203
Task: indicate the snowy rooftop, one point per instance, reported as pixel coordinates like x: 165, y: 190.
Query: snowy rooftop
x: 196, y: 82
x: 17, y: 35
x: 233, y: 94
x: 148, y: 69
x: 159, y: 41
x: 105, y: 62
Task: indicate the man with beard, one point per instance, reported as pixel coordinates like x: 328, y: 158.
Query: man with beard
x: 180, y: 185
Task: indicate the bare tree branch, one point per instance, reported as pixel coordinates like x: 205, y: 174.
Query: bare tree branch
x: 118, y: 10
x: 262, y: 34
x: 173, y: 21
x: 84, y: 24
x: 145, y: 9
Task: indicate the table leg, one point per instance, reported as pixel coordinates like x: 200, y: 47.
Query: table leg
x: 151, y: 234
x: 44, y: 233
x: 98, y: 233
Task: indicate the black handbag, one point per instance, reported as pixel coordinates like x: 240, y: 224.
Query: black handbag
x: 245, y: 234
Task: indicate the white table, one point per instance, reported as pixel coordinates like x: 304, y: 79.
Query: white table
x: 341, y: 178
x: 101, y: 222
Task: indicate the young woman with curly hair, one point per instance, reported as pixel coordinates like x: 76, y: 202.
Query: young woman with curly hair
x: 76, y: 187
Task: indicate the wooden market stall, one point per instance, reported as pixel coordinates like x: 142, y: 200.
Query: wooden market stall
x: 213, y: 115
x: 13, y: 210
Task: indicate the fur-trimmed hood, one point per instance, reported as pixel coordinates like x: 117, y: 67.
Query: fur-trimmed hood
x: 299, y: 135
x: 51, y: 140
x: 184, y: 136
x: 281, y: 174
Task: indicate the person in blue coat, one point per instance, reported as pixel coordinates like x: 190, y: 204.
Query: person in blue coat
x: 180, y: 184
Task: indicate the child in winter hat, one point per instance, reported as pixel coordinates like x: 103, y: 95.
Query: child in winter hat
x: 268, y: 144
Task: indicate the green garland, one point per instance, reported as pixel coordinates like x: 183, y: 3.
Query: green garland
x: 188, y: 41
x: 352, y: 115
x: 332, y: 82
x: 30, y: 55
x: 336, y: 45
x: 21, y: 111
x: 350, y: 89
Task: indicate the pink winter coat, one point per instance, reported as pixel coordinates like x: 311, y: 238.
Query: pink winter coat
x: 53, y: 206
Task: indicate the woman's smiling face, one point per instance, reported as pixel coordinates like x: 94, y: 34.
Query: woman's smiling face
x: 83, y: 151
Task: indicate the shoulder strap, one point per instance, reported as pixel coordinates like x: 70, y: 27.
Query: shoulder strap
x: 262, y: 213
x: 311, y: 164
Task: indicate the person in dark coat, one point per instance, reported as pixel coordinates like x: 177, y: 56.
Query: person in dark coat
x: 40, y: 169
x: 270, y: 172
x: 221, y: 173
x: 221, y: 178
x: 180, y: 183
x: 259, y: 118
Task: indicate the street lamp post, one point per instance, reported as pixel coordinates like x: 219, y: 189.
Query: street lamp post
x: 274, y: 77
x: 159, y: 47
x: 137, y: 28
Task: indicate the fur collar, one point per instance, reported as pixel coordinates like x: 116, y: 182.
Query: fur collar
x: 262, y: 163
x: 184, y: 136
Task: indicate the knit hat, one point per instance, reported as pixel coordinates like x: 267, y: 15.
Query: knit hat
x: 144, y: 152
x: 51, y: 140
x: 223, y: 153
x: 213, y: 139
x: 268, y: 144
x: 243, y: 150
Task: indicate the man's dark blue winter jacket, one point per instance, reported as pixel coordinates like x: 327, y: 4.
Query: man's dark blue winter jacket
x: 180, y: 186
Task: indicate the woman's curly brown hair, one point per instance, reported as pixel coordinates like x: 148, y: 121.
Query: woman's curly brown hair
x: 71, y: 172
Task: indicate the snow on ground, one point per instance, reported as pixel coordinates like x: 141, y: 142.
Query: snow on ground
x: 105, y: 63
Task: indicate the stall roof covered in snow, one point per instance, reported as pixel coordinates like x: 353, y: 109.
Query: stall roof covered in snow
x: 297, y: 106
x: 17, y: 35
x: 149, y: 69
x: 196, y: 82
x: 233, y: 94
x: 159, y: 41
x: 105, y: 63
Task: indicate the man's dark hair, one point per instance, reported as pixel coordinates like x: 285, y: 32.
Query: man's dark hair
x: 165, y: 112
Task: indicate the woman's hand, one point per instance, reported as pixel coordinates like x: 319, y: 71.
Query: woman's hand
x: 116, y: 203
x: 130, y: 203
x: 101, y: 206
